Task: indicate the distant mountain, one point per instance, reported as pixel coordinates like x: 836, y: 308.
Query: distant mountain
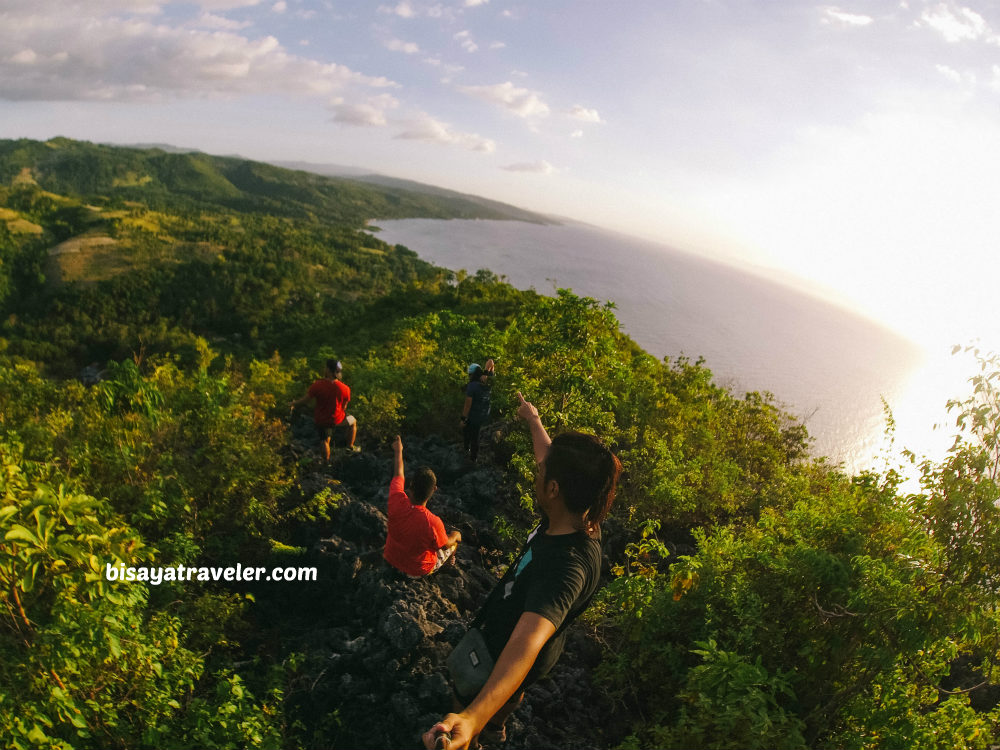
x: 191, y: 180
x: 497, y: 209
x: 485, y: 203
x: 327, y: 170
x: 166, y: 147
x: 357, y: 174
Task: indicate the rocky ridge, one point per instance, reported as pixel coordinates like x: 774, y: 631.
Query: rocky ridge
x: 371, y: 645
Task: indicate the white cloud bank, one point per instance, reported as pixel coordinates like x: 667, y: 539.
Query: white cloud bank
x: 59, y: 56
x: 398, y: 45
x: 520, y: 101
x: 585, y: 115
x: 535, y: 167
x: 213, y: 21
x: 958, y: 24
x: 465, y: 39
x: 427, y: 128
x: 836, y: 16
x: 369, y: 113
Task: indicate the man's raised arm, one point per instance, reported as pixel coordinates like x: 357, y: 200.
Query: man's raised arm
x: 397, y: 457
x: 540, y: 439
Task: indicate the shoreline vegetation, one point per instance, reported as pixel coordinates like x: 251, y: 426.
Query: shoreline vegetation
x: 754, y: 596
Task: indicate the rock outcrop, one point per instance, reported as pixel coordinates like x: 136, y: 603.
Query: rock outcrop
x: 371, y: 647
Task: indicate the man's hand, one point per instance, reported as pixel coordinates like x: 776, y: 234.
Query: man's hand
x: 525, y: 410
x: 459, y: 726
x: 397, y: 445
x: 489, y: 365
x: 525, y: 643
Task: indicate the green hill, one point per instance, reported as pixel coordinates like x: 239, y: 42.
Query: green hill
x: 187, y: 181
x: 200, y: 236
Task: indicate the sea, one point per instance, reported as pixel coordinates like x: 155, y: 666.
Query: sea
x: 842, y: 374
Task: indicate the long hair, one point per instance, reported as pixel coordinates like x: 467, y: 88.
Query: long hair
x: 587, y: 472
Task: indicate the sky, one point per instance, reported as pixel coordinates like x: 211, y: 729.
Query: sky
x: 852, y: 149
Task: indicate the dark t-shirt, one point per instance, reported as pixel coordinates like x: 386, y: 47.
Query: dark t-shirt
x: 479, y: 413
x: 555, y: 577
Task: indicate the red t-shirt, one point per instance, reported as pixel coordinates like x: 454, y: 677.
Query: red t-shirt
x: 331, y: 398
x: 415, y: 534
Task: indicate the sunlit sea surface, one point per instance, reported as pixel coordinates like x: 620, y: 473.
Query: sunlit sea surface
x: 827, y: 365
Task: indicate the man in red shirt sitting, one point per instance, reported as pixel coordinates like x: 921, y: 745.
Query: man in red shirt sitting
x: 331, y: 395
x: 416, y: 542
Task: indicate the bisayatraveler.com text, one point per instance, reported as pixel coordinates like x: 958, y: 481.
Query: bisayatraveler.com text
x: 155, y: 575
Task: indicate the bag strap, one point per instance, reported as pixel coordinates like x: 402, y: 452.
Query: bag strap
x: 481, y: 614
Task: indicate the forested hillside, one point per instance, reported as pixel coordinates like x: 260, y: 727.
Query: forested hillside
x: 160, y: 312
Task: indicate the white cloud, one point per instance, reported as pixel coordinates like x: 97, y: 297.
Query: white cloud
x: 967, y: 79
x: 957, y: 24
x: 576, y: 134
x: 220, y: 4
x: 24, y: 57
x: 475, y: 3
x: 131, y: 59
x: 279, y: 7
x: 995, y: 83
x: 586, y: 115
x: 398, y: 45
x: 406, y: 9
x: 465, y: 39
x: 213, y: 21
x: 402, y: 9
x: 833, y: 15
x: 449, y: 68
x: 522, y: 102
x: 426, y: 128
x: 82, y: 8
x: 370, y: 113
x: 535, y: 167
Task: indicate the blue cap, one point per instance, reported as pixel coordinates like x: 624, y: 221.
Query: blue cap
x: 473, y: 367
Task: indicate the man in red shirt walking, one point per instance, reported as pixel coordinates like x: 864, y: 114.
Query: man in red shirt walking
x: 331, y: 395
x: 416, y: 542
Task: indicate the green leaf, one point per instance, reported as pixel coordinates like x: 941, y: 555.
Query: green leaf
x: 19, y: 532
x: 78, y: 721
x: 37, y: 736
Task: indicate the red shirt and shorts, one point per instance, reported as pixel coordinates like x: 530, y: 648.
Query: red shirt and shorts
x: 415, y: 534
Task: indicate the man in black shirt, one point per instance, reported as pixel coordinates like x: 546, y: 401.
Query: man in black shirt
x: 525, y: 618
x: 476, y: 409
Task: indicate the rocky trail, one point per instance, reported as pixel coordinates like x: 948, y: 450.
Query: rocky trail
x: 371, y: 643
